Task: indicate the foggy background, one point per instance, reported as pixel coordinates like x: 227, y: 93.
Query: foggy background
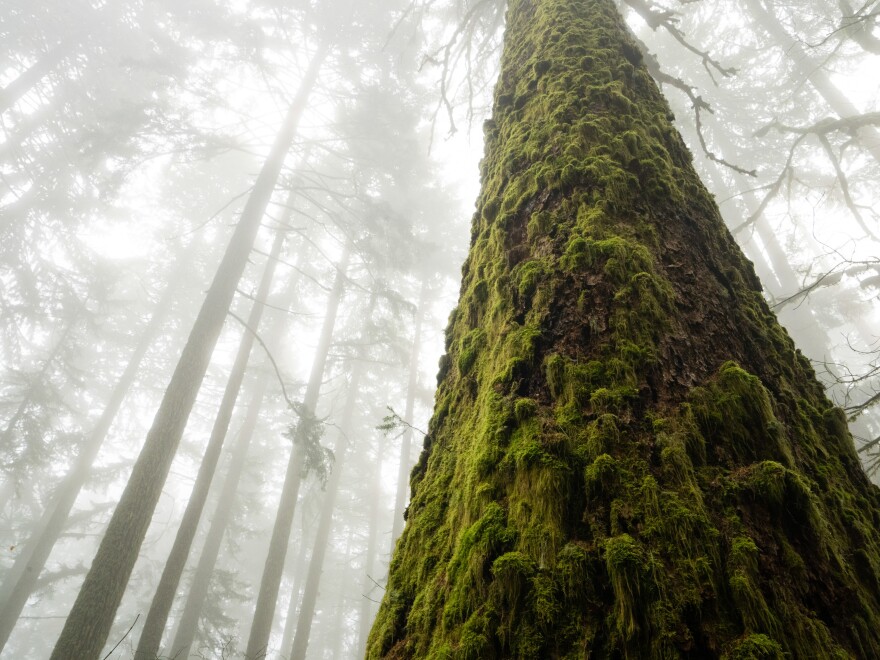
x: 131, y: 134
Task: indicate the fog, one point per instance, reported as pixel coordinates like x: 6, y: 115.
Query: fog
x: 231, y: 234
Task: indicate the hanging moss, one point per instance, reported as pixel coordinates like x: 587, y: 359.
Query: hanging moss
x: 628, y: 457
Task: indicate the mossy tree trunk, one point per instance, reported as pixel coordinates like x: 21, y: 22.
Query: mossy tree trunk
x: 628, y: 458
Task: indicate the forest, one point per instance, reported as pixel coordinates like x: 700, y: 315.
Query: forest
x: 449, y: 329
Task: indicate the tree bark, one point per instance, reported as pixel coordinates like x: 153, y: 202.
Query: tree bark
x: 21, y: 580
x: 264, y: 612
x: 89, y: 622
x: 151, y: 636
x: 628, y: 458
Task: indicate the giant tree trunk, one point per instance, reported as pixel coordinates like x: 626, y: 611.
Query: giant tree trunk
x: 270, y: 582
x: 21, y: 580
x: 89, y: 622
x: 151, y: 636
x: 628, y: 458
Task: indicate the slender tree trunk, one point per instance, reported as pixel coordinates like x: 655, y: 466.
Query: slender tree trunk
x: 374, y: 498
x: 187, y: 625
x: 339, y: 599
x: 299, y: 572
x: 406, y: 442
x: 91, y: 618
x: 198, y: 591
x: 325, y: 524
x: 20, y: 581
x: 628, y: 457
x: 811, y: 69
x: 264, y: 612
x: 151, y: 637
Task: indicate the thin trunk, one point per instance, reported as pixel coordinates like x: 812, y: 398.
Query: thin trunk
x: 91, y: 618
x: 270, y: 583
x: 22, y: 577
x: 340, y: 623
x: 367, y: 606
x: 198, y: 591
x: 811, y: 69
x: 299, y: 572
x: 406, y: 443
x: 151, y: 636
x: 188, y: 624
x: 322, y: 536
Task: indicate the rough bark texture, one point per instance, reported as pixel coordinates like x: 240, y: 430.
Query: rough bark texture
x: 628, y: 458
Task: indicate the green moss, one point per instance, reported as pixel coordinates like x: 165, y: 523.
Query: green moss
x: 738, y: 406
x: 525, y: 409
x: 754, y: 647
x: 624, y: 559
x: 469, y: 348
x: 592, y: 478
x: 601, y: 475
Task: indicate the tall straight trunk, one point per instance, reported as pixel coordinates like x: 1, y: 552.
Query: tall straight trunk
x: 298, y: 575
x: 811, y: 69
x: 89, y: 622
x: 21, y: 579
x: 374, y: 498
x: 340, y: 623
x: 198, y: 591
x: 325, y: 522
x: 406, y: 442
x: 628, y: 457
x: 264, y: 612
x: 151, y: 636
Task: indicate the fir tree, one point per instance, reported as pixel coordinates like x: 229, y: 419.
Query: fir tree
x: 628, y: 457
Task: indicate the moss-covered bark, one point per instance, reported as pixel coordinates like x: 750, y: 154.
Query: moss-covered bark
x: 628, y: 458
